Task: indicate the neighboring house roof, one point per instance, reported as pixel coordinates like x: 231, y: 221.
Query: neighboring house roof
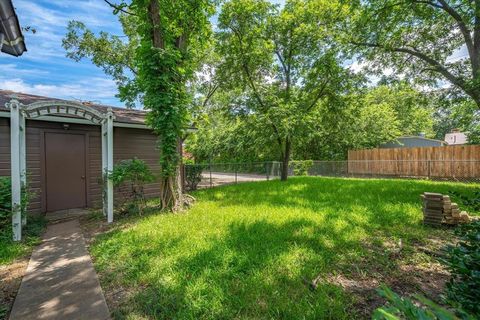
x: 413, y: 141
x: 11, y: 37
x: 121, y: 114
x: 455, y: 138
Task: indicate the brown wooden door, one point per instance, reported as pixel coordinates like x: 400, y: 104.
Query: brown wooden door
x: 65, y: 171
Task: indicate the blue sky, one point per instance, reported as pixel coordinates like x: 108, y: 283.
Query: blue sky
x: 44, y: 69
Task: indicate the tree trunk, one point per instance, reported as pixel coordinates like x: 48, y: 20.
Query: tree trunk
x: 475, y: 94
x: 285, y: 160
x: 171, y: 196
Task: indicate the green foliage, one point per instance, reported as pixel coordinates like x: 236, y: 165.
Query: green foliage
x: 5, y: 200
x: 366, y: 119
x: 6, y: 203
x: 471, y: 201
x: 193, y: 176
x: 456, y: 112
x: 173, y: 35
x: 222, y: 138
x: 165, y: 43
x: 418, y: 39
x: 111, y: 53
x: 132, y: 175
x: 404, y: 308
x: 284, y: 63
x: 301, y: 167
x: 31, y: 232
x: 242, y: 250
x: 463, y: 262
x: 10, y: 250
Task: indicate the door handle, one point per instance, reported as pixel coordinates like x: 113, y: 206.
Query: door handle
x: 83, y: 177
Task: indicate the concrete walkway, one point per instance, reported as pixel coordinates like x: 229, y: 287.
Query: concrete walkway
x: 60, y: 281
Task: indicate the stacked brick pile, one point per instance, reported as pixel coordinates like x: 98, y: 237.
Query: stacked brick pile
x: 438, y: 209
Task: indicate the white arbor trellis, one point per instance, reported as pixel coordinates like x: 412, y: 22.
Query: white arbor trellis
x: 18, y: 114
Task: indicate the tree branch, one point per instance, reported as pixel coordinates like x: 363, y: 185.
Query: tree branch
x: 434, y: 63
x: 318, y: 96
x: 210, y: 94
x: 119, y: 8
x: 458, y: 18
x: 247, y: 70
x: 476, y: 39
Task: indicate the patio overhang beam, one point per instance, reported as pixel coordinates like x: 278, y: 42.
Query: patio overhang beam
x: 65, y: 119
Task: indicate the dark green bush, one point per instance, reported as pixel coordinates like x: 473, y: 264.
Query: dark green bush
x: 398, y: 308
x: 6, y: 202
x: 129, y: 177
x: 301, y: 167
x: 463, y: 262
x: 193, y: 176
x: 472, y: 202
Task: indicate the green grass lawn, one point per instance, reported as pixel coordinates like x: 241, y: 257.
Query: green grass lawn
x: 10, y: 250
x: 248, y: 251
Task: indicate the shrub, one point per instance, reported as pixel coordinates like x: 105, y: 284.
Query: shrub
x: 470, y: 201
x: 301, y: 167
x: 404, y: 308
x: 463, y: 262
x: 193, y: 176
x: 6, y: 202
x: 130, y: 177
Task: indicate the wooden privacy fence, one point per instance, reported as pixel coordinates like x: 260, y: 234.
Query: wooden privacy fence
x: 432, y: 162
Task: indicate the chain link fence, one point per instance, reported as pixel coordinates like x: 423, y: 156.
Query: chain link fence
x: 211, y: 175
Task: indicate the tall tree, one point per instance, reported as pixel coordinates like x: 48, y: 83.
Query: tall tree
x: 166, y: 39
x: 114, y: 54
x: 285, y: 61
x: 422, y: 38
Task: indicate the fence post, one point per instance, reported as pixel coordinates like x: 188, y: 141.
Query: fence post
x: 429, y: 169
x: 210, y: 169
x: 235, y: 169
x: 267, y: 171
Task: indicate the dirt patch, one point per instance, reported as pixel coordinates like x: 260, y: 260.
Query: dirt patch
x: 410, y: 270
x: 10, y: 278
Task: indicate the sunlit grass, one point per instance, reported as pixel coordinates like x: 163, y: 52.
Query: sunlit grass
x: 11, y: 250
x: 244, y: 251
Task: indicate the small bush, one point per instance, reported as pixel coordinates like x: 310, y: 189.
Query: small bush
x: 193, y: 176
x: 470, y: 201
x: 463, y: 262
x: 6, y: 202
x: 301, y: 167
x: 130, y: 177
x: 419, y: 308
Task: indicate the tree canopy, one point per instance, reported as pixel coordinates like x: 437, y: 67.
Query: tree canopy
x: 284, y: 61
x: 425, y: 39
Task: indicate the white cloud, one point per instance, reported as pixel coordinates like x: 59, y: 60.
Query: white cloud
x: 90, y: 89
x: 13, y: 69
x: 44, y: 69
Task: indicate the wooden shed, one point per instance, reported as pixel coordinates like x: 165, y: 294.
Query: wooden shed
x: 61, y: 147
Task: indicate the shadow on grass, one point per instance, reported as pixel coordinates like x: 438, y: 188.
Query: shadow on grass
x: 255, y: 271
x: 11, y: 250
x: 258, y: 268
